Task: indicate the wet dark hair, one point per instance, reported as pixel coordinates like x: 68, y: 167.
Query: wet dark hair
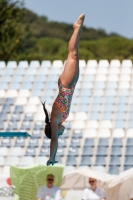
x: 47, y: 129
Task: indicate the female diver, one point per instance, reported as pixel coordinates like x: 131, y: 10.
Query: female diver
x: 66, y: 84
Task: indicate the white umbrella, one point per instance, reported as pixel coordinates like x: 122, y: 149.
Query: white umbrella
x: 125, y: 184
x: 78, y: 180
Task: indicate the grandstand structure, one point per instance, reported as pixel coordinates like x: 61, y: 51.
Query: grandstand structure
x: 99, y: 129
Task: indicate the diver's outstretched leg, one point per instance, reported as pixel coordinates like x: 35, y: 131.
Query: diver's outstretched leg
x: 71, y: 70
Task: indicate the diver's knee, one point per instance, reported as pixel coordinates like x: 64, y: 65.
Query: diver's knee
x: 73, y: 55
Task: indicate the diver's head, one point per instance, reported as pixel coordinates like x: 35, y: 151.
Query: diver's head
x: 47, y: 129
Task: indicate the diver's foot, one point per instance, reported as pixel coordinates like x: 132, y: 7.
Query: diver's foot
x: 79, y: 23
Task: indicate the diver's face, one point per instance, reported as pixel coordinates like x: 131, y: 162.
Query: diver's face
x: 61, y: 129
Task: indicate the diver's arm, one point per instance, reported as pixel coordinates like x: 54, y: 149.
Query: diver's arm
x: 54, y: 139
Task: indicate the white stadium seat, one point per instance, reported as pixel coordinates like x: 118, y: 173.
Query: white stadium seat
x: 32, y: 71
x: 114, y: 70
x: 56, y: 71
x: 102, y: 70
x: 34, y: 101
x: 82, y: 63
x: 2, y: 93
x: 57, y: 64
x: 81, y: 78
x: 92, y: 124
x: 40, y: 108
x: 118, y: 133
x: 103, y: 63
x: 125, y: 78
x: 68, y: 169
x: 12, y: 161
x: 98, y: 92
x: 78, y: 85
x: 78, y: 125
x: 129, y: 133
x: 90, y: 133
x: 126, y: 71
x: 41, y: 160
x: 12, y: 64
x: 124, y: 85
x: 111, y: 92
x: 44, y: 71
x: 24, y: 93
x: 90, y: 71
x: 80, y: 116
x: 123, y: 92
x: 27, y: 161
x: 82, y: 71
x: 4, y: 151
x: 31, y: 109
x: 88, y: 85
x: 34, y: 64
x: 70, y: 117
x: 127, y: 63
x: 104, y: 133
x: 12, y: 93
x: 106, y: 124
x: 113, y: 78
x: 16, y: 151
x: 92, y: 63
x: 2, y: 64
x: 46, y: 64
x: 40, y: 117
x: 99, y: 168
x: 101, y: 78
x: 2, y: 161
x: 115, y: 63
x: 21, y: 101
x: 23, y: 64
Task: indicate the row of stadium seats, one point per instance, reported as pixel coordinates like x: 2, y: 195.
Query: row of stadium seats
x: 113, y: 167
x: 75, y: 141
x: 29, y: 126
x: 99, y: 129
x: 93, y: 151
x: 59, y: 64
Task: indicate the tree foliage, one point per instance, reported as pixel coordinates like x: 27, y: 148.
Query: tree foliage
x: 10, y: 17
x: 34, y: 37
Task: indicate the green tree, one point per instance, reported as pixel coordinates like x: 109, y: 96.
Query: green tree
x: 10, y: 18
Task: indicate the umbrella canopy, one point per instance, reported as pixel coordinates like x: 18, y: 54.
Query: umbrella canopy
x: 123, y: 176
x: 125, y: 184
x: 78, y: 179
x: 28, y: 180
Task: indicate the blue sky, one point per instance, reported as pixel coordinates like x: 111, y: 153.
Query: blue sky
x: 111, y: 15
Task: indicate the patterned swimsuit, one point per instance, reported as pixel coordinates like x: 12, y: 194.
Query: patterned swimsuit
x: 63, y: 100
